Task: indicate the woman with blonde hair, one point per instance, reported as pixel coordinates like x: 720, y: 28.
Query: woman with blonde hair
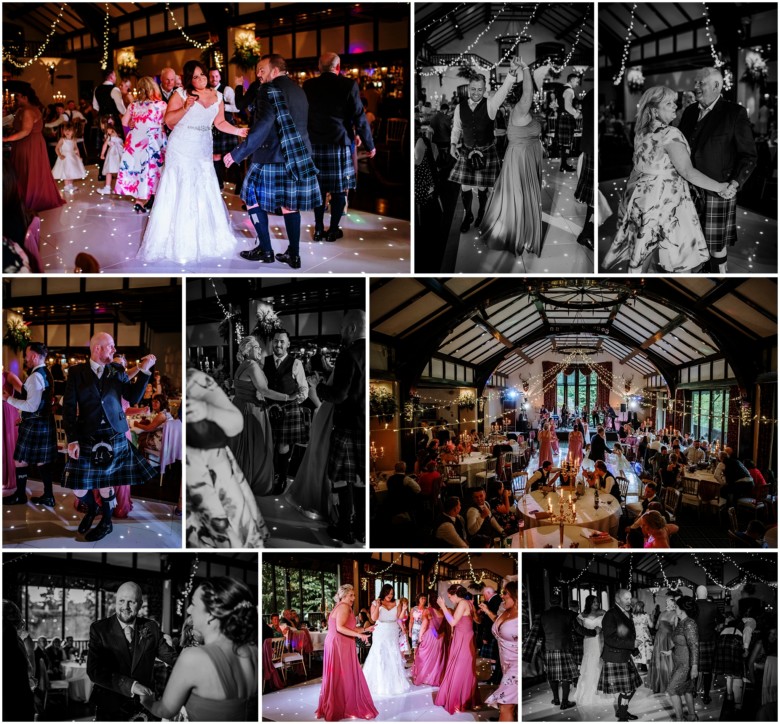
x: 656, y: 530
x: 144, y: 151
x: 659, y: 229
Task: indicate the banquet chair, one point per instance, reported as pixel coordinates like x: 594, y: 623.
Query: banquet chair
x: 293, y: 658
x: 505, y: 466
x: 483, y: 476
x: 709, y: 495
x: 623, y: 485
x: 671, y: 500
x: 756, y: 503
x: 733, y: 522
x: 734, y: 539
x: 519, y: 483
x: 277, y: 649
x: 62, y: 438
x: 454, y: 481
x: 396, y: 131
x: 690, y: 493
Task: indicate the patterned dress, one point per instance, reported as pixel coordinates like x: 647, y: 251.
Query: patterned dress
x: 144, y: 152
x: 506, y: 634
x: 659, y: 216
x: 685, y: 655
x: 644, y: 641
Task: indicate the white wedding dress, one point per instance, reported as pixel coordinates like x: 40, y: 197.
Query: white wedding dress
x: 189, y: 220
x: 590, y: 669
x: 384, y: 668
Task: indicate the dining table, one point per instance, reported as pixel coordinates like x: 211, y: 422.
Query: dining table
x: 549, y: 535
x: 318, y: 640
x: 604, y: 518
x: 79, y: 684
x: 473, y: 463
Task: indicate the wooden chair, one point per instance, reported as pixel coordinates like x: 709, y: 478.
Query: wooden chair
x: 671, y: 501
x: 754, y: 504
x: 454, y: 481
x: 396, y: 131
x: 690, y: 493
x: 709, y: 495
x: 733, y: 522
x: 733, y: 539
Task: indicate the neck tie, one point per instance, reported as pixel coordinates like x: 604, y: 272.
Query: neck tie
x: 277, y: 361
x: 129, y: 636
x: 99, y: 371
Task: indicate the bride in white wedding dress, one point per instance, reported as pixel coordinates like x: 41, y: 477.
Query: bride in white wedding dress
x: 590, y: 669
x: 384, y: 669
x: 189, y: 219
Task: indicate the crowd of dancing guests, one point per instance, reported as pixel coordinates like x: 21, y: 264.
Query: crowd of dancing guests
x: 444, y: 637
x: 240, y: 450
x: 589, y: 657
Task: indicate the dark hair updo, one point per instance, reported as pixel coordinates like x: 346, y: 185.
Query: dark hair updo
x: 231, y: 602
x: 189, y: 70
x: 457, y: 590
x: 688, y: 605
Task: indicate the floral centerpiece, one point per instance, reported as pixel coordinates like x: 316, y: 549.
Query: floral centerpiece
x: 246, y: 52
x: 635, y: 79
x: 467, y: 400
x: 17, y: 335
x: 756, y: 70
x: 381, y: 403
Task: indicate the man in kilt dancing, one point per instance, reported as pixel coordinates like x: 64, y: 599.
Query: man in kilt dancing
x: 557, y: 626
x: 37, y: 441
x: 618, y: 673
x: 347, y: 455
x: 285, y: 374
x: 473, y: 144
x: 567, y: 115
x: 723, y: 148
x: 584, y: 192
x: 282, y: 178
x: 707, y: 622
x: 336, y: 118
x: 100, y: 457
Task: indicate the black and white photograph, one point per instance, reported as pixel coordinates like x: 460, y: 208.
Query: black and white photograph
x: 566, y: 413
x: 118, y: 637
x: 276, y: 392
x: 687, y: 121
x: 197, y: 137
x: 92, y: 433
x: 504, y: 137
x: 390, y: 636
x: 666, y: 637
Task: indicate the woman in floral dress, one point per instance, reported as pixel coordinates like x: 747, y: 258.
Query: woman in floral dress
x: 144, y: 151
x: 644, y: 641
x: 658, y: 217
x: 685, y: 659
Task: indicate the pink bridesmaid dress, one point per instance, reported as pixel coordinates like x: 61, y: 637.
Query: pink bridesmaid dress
x: 545, y: 446
x: 344, y: 693
x: 10, y: 435
x: 458, y: 690
x: 430, y: 659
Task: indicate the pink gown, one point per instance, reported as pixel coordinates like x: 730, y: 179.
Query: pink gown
x: 458, y: 690
x: 10, y: 435
x: 430, y: 659
x: 344, y: 693
x: 545, y: 446
x: 575, y: 447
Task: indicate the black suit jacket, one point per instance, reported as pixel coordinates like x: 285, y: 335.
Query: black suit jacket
x: 486, y: 625
x: 336, y: 111
x: 88, y: 399
x: 619, y: 636
x: 262, y: 143
x: 557, y: 626
x: 722, y: 145
x: 598, y: 447
x: 113, y: 669
x: 348, y: 389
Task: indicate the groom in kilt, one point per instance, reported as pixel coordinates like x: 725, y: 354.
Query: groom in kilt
x: 100, y: 457
x: 282, y: 178
x: 37, y: 441
x: 567, y: 117
x: 619, y: 674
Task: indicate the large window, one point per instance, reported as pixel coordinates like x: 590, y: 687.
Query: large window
x: 399, y: 583
x: 298, y: 589
x: 576, y: 390
x: 47, y: 617
x: 709, y: 414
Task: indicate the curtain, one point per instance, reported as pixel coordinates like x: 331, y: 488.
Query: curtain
x: 549, y: 382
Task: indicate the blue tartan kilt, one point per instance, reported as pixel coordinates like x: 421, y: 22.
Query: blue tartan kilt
x: 464, y: 175
x: 223, y: 142
x: 565, y: 129
x: 560, y: 666
x: 347, y: 455
x: 619, y: 677
x: 37, y: 441
x: 128, y: 466
x: 584, y: 191
x: 292, y: 428
x: 337, y: 172
x: 270, y: 187
x: 489, y: 650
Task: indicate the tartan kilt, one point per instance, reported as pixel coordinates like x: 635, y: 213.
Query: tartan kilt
x: 728, y: 657
x: 269, y: 186
x: 37, y: 441
x: 337, y: 172
x: 464, y: 175
x: 707, y: 656
x: 618, y: 677
x: 128, y: 467
x: 564, y: 129
x: 489, y: 650
x: 584, y: 191
x: 577, y: 648
x: 719, y: 221
x: 292, y: 428
x: 347, y: 456
x: 223, y: 142
x: 560, y: 666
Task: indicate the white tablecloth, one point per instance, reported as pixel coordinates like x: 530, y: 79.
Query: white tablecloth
x: 318, y: 640
x: 79, y: 684
x: 550, y: 535
x: 473, y: 464
x: 700, y: 475
x: 606, y: 518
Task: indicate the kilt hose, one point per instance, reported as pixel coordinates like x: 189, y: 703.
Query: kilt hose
x: 271, y: 187
x: 584, y: 190
x: 464, y: 175
x: 291, y: 428
x: 560, y: 666
x: 128, y: 466
x: 336, y: 170
x: 619, y: 677
x: 719, y: 221
x: 37, y: 441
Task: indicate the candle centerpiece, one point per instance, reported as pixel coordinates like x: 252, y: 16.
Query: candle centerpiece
x: 566, y: 515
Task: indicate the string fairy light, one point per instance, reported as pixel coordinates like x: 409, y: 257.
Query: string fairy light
x: 106, y: 35
x: 7, y: 56
x: 471, y: 571
x: 439, y: 20
x: 717, y: 62
x: 626, y: 48
x: 200, y: 46
x: 581, y: 573
x: 382, y: 573
x: 519, y: 39
x: 188, y: 588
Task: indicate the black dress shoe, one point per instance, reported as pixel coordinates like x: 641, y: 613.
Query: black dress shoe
x: 566, y: 167
x: 464, y: 227
x: 44, y: 500
x: 629, y: 716
x: 86, y: 521
x: 292, y: 261
x: 15, y: 499
x: 100, y: 531
x: 319, y: 235
x: 257, y: 254
x: 556, y: 702
x: 332, y: 234
x: 567, y: 705
x: 478, y: 220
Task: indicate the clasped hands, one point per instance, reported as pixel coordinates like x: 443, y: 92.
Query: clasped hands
x: 728, y: 190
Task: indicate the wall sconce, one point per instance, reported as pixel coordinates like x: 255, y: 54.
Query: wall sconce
x: 51, y: 66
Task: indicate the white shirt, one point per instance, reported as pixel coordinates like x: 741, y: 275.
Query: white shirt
x: 34, y: 386
x: 704, y: 110
x: 229, y: 98
x: 66, y: 117
x: 116, y: 94
x: 448, y: 533
x: 298, y: 375
x: 493, y: 104
x: 694, y: 455
x: 97, y: 368
x: 474, y: 520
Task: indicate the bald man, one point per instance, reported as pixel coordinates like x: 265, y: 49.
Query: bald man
x: 336, y: 120
x: 722, y: 147
x: 122, y: 651
x: 347, y: 392
x: 100, y: 456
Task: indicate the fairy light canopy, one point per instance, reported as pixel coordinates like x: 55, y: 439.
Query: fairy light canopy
x: 652, y: 326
